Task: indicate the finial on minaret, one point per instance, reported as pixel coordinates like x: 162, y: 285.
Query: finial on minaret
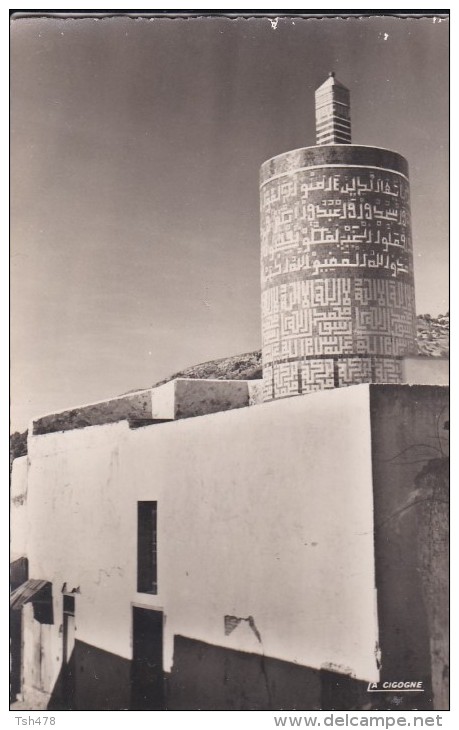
x: 333, y: 112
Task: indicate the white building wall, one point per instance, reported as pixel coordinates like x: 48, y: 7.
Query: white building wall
x: 83, y: 532
x: 40, y: 660
x: 18, y: 515
x: 425, y: 370
x: 264, y: 512
x: 191, y: 397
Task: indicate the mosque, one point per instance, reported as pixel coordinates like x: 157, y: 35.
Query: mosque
x: 278, y: 544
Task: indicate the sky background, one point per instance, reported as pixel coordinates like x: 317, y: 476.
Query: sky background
x: 135, y: 152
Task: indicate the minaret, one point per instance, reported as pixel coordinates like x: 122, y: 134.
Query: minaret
x: 336, y: 260
x: 333, y: 113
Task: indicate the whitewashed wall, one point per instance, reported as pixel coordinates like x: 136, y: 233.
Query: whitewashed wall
x: 264, y: 512
x: 18, y: 514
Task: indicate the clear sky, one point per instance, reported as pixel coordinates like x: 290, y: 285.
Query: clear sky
x: 135, y: 151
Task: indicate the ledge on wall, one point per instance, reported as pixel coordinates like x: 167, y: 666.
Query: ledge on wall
x: 179, y: 398
x: 425, y: 370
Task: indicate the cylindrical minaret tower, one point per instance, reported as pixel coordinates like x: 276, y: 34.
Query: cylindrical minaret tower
x: 336, y: 260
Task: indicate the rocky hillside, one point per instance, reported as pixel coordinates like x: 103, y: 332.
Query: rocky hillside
x: 237, y: 367
x: 433, y: 335
x: 432, y: 340
x: 18, y: 446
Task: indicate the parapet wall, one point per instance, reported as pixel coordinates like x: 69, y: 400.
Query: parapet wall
x: 425, y: 370
x: 179, y: 398
x: 130, y: 406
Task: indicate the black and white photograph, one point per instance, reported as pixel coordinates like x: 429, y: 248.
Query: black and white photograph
x: 229, y: 362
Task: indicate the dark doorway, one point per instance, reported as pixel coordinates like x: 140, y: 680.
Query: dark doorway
x: 19, y: 574
x: 16, y: 653
x: 147, y: 665
x: 68, y: 660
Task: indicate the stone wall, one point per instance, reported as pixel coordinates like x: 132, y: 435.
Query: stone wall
x: 130, y: 406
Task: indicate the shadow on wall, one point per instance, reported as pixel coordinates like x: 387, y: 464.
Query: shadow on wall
x: 411, y: 498
x: 431, y: 501
x: 207, y: 677
x: 92, y: 680
x: 63, y: 694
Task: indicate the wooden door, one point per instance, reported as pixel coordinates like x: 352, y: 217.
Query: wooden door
x: 147, y: 666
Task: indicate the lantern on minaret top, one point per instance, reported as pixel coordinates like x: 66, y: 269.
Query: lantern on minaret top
x: 333, y: 112
x: 337, y: 279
